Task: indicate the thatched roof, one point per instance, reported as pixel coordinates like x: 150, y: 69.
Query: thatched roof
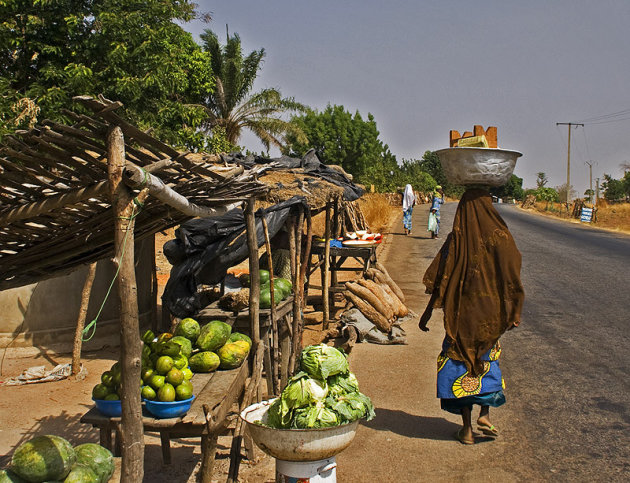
x: 55, y: 211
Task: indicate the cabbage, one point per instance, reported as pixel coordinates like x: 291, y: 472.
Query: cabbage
x: 321, y: 361
x: 341, y: 384
x: 302, y: 390
x: 351, y: 407
x: 274, y: 415
x: 314, y: 417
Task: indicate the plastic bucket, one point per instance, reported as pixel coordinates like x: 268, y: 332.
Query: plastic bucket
x: 306, y: 471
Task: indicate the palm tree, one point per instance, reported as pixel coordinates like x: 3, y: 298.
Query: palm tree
x: 232, y: 107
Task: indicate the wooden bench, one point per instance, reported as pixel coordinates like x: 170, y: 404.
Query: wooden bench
x: 218, y: 391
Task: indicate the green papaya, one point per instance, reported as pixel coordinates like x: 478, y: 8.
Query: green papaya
x: 213, y: 335
x: 204, y: 362
x: 232, y: 354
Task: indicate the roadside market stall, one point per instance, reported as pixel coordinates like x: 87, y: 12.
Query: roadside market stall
x: 74, y: 194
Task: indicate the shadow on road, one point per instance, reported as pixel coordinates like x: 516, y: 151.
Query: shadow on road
x: 412, y: 426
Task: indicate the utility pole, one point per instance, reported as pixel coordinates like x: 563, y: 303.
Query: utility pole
x: 569, y: 155
x: 590, y: 180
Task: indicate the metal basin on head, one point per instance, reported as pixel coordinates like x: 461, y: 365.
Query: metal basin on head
x: 478, y: 166
x: 296, y: 444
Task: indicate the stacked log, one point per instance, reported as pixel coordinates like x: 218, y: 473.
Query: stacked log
x: 377, y: 298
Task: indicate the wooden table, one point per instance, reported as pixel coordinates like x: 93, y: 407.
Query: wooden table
x: 218, y: 390
x: 339, y: 255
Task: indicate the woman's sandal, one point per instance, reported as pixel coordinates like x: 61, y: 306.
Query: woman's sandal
x: 490, y: 430
x: 459, y: 437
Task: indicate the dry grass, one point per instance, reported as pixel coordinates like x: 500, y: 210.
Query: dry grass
x: 378, y: 212
x: 609, y: 216
x: 615, y: 217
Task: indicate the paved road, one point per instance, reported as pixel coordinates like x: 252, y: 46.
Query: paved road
x: 567, y: 414
x: 569, y: 362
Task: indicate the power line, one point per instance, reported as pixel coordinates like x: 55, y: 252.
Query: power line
x: 606, y: 117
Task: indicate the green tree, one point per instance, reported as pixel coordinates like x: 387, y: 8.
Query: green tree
x: 432, y: 165
x: 549, y: 195
x: 614, y: 188
x: 348, y: 140
x: 541, y: 179
x: 512, y: 189
x: 413, y: 174
x: 233, y: 107
x: 134, y: 52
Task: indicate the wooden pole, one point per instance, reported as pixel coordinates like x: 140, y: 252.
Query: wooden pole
x: 302, y: 275
x: 85, y: 302
x: 254, y: 277
x: 326, y: 269
x: 289, y: 357
x: 296, y: 343
x: 132, y: 433
x: 235, y: 450
x: 273, y: 348
x: 154, y: 288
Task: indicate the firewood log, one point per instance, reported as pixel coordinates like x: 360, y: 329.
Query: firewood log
x: 371, y: 299
x: 387, y: 308
x: 401, y: 309
x: 385, y: 278
x: 370, y: 313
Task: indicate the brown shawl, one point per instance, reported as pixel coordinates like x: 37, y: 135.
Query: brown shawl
x: 475, y: 279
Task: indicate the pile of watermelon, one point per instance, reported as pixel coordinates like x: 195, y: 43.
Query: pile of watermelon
x: 52, y: 458
x: 281, y: 288
x: 214, y: 345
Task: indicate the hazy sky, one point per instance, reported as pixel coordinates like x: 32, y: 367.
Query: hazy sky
x: 423, y: 68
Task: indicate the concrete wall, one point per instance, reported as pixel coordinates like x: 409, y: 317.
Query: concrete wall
x: 44, y: 314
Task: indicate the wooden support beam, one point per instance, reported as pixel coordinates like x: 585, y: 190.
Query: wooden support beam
x: 138, y: 178
x: 254, y: 277
x: 326, y: 268
x: 124, y: 211
x: 78, y: 334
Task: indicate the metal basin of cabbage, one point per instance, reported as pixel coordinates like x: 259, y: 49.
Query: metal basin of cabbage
x: 296, y: 444
x: 478, y: 166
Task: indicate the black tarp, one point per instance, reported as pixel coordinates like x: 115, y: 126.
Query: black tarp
x: 310, y: 164
x: 205, y: 248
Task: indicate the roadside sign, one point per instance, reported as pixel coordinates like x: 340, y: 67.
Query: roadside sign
x: 587, y: 214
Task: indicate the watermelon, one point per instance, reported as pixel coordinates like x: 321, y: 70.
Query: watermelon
x: 284, y: 285
x: 188, y: 328
x: 81, y: 474
x: 44, y: 458
x: 204, y: 362
x: 99, y: 459
x: 238, y: 336
x: 7, y: 476
x: 213, y: 335
x: 232, y: 354
x: 184, y: 343
x: 263, y: 276
x: 265, y: 299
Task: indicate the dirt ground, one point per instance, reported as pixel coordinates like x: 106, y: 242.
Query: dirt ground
x: 407, y: 441
x: 56, y: 407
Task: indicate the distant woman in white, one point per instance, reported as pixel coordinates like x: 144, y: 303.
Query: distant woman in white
x: 408, y: 201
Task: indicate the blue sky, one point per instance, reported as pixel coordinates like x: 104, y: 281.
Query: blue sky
x: 423, y: 68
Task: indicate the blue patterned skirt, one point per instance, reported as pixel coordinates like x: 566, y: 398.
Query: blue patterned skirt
x: 407, y: 218
x: 457, y: 389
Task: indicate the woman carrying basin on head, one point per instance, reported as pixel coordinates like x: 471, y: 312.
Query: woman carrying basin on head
x: 475, y: 279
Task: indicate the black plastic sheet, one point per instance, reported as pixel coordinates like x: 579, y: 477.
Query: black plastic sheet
x: 205, y: 248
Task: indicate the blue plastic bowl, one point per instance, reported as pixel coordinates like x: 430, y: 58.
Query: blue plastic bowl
x: 108, y: 408
x: 165, y: 410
